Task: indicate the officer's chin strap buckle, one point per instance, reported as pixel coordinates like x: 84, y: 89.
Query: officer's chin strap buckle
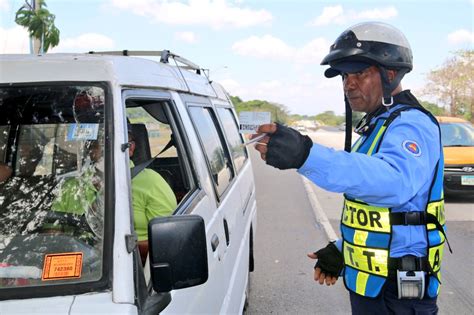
x: 387, y: 101
x: 411, y: 278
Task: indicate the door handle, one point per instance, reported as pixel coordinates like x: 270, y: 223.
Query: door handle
x: 226, y: 231
x: 214, y: 242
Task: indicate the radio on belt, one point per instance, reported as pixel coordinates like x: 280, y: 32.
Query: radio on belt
x: 411, y: 284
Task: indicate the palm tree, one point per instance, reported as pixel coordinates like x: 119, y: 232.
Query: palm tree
x: 40, y: 24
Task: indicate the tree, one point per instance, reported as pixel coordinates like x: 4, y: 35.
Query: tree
x: 330, y: 118
x: 278, y: 112
x: 40, y: 24
x: 433, y: 108
x: 453, y: 84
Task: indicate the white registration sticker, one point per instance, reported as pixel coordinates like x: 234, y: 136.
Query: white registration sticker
x: 249, y: 121
x: 467, y: 180
x: 78, y: 132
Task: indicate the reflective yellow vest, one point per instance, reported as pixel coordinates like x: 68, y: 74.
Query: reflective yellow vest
x: 367, y: 230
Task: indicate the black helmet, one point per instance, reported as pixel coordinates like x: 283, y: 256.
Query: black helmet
x: 372, y: 43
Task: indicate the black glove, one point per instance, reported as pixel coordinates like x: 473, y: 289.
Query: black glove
x: 330, y: 260
x: 287, y: 148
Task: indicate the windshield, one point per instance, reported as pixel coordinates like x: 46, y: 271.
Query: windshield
x: 51, y: 185
x: 457, y: 134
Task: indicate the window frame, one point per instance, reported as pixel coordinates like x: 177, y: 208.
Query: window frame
x: 203, y: 102
x: 227, y: 106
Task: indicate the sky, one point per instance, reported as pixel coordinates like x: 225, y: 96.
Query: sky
x: 269, y: 49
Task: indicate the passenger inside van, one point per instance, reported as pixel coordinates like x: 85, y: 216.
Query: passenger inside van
x: 5, y: 172
x: 151, y: 197
x: 81, y: 196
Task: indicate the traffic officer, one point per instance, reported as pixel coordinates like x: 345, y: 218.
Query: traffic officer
x: 392, y: 222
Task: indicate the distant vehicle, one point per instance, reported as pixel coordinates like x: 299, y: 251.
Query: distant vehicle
x: 457, y: 137
x: 301, y: 128
x: 342, y: 127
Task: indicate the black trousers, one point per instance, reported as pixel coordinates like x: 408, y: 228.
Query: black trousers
x: 388, y: 303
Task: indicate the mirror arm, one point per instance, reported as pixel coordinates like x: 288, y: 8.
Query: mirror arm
x: 156, y: 303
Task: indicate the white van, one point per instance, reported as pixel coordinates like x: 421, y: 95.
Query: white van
x: 67, y: 239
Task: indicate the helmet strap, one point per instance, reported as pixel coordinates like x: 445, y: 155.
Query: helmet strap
x: 388, y: 86
x: 348, y: 139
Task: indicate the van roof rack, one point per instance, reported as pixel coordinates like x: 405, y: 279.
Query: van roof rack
x: 163, y: 54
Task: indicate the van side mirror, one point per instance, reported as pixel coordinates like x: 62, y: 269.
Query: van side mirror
x: 178, y: 252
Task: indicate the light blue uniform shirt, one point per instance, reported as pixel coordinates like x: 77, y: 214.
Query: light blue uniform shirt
x: 393, y: 177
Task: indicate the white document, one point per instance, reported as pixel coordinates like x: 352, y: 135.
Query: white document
x: 249, y: 121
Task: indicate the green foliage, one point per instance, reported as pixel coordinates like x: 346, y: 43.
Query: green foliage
x: 279, y: 112
x: 330, y: 118
x: 433, y: 108
x: 40, y: 24
x: 235, y: 100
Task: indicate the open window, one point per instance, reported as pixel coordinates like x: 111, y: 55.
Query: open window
x: 158, y: 143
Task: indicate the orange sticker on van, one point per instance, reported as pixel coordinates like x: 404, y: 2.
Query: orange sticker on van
x: 62, y: 266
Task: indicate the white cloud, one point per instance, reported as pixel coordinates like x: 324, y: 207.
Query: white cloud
x: 214, y: 13
x: 4, y: 5
x: 270, y: 47
x: 330, y: 15
x: 461, y: 36
x: 263, y: 47
x: 376, y: 14
x: 309, y: 95
x: 14, y: 40
x: 337, y: 15
x: 85, y: 42
x: 187, y: 37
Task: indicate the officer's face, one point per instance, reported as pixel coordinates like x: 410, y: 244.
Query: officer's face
x: 363, y: 89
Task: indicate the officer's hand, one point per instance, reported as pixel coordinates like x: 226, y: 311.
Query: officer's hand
x: 283, y: 147
x: 320, y: 276
x: 261, y: 146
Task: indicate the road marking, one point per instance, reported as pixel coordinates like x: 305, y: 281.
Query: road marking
x: 318, y: 211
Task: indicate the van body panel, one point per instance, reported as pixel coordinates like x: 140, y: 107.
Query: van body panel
x: 54, y: 305
x: 100, y: 303
x: 123, y: 284
x: 130, y: 71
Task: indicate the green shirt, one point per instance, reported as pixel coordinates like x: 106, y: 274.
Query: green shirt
x: 76, y: 194
x: 151, y: 197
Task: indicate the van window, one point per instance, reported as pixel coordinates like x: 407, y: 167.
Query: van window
x: 52, y: 206
x: 234, y: 138
x: 156, y: 142
x: 212, y: 141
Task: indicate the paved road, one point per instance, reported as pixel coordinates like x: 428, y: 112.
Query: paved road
x: 282, y: 282
x: 288, y: 228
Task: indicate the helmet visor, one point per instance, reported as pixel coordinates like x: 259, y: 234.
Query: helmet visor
x: 345, y: 67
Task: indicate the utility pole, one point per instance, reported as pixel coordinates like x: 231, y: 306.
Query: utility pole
x: 36, y: 44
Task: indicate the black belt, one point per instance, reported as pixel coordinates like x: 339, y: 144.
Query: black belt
x: 408, y: 218
x: 408, y: 263
x: 417, y: 218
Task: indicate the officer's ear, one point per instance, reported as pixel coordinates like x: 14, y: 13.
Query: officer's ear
x: 391, y: 74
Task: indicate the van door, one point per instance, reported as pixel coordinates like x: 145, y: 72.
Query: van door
x: 221, y: 166
x: 239, y: 220
x: 183, y: 165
